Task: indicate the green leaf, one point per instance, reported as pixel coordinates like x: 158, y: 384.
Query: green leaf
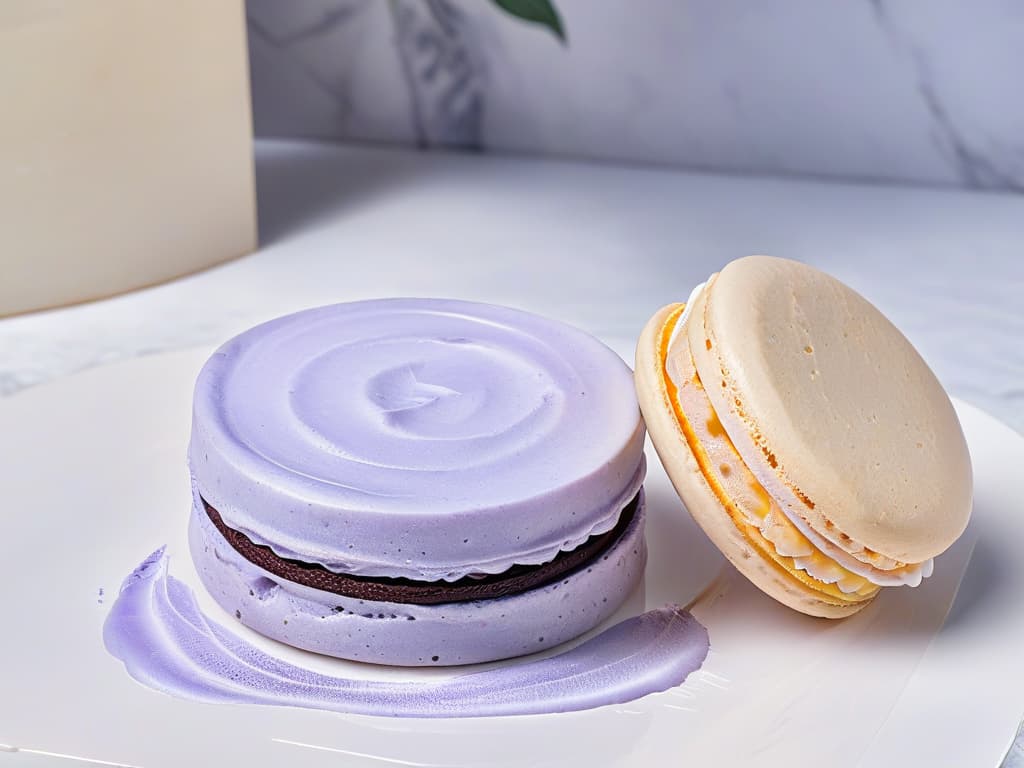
x: 538, y: 11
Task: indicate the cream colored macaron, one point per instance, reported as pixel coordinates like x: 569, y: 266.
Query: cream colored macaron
x: 804, y: 434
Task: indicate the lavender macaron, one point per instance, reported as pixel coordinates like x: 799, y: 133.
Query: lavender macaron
x: 416, y: 481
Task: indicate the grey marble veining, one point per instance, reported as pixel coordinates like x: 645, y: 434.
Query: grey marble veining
x: 443, y: 67
x: 899, y: 90
x: 967, y: 127
x: 406, y: 71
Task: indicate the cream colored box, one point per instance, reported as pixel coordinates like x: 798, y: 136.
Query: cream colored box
x: 125, y: 145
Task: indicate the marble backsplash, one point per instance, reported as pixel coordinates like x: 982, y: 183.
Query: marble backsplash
x: 922, y: 91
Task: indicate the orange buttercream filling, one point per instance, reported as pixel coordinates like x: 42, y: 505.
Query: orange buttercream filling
x: 857, y: 587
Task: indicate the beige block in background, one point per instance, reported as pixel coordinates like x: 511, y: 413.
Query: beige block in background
x: 125, y: 145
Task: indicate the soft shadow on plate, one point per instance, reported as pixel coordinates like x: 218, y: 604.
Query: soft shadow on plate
x: 985, y: 584
x: 682, y: 560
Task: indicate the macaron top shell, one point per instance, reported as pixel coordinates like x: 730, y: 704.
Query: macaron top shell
x: 416, y: 438
x: 833, y: 410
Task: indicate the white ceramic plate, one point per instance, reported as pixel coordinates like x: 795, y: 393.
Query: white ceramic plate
x: 93, y: 475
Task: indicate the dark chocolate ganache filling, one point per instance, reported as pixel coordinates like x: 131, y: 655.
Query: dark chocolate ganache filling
x: 518, y: 578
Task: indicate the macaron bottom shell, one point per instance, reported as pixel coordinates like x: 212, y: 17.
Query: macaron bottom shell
x: 419, y: 635
x: 740, y: 542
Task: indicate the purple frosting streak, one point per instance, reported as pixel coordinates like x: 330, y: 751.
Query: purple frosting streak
x: 157, y: 629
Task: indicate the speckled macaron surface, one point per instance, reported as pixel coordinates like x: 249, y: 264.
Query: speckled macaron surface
x: 836, y: 397
x: 416, y: 439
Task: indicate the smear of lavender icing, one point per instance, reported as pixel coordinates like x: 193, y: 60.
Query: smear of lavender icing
x: 157, y: 629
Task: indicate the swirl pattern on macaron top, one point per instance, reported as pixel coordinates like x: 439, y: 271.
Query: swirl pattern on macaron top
x: 416, y: 438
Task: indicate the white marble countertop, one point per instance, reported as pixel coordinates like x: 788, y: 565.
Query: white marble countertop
x: 599, y: 246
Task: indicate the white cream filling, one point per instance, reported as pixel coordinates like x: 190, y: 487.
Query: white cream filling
x: 909, y: 576
x: 395, y: 569
x: 828, y: 568
x: 686, y: 313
